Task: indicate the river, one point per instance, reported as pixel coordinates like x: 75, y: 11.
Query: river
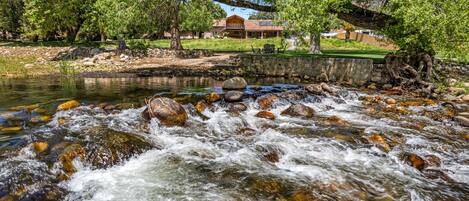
x: 225, y: 155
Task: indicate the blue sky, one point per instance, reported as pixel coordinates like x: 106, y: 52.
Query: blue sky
x: 243, y: 12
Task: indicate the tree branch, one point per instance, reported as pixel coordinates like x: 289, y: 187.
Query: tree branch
x: 348, y: 12
x: 248, y: 4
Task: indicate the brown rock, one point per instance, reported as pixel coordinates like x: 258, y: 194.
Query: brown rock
x: 40, y: 147
x: 302, y: 195
x: 327, y: 88
x: 379, y: 140
x: 272, y: 157
x: 334, y: 120
x: 299, y: 110
x: 68, y: 155
x: 247, y: 131
x: 265, y: 115
x: 235, y: 83
x: 237, y: 107
x: 391, y: 101
x: 437, y: 174
x: 168, y: 111
x: 233, y: 96
x: 314, y: 89
x: 415, y: 161
x: 68, y: 105
x: 265, y: 102
x: 201, y: 106
x: 213, y: 97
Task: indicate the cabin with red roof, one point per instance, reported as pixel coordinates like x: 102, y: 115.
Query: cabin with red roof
x: 238, y: 27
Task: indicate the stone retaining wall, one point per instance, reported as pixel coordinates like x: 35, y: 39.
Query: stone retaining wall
x: 345, y: 70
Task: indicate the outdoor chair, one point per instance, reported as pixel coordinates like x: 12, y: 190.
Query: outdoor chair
x: 256, y: 50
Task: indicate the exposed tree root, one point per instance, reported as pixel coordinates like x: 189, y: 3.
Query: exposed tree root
x: 412, y: 72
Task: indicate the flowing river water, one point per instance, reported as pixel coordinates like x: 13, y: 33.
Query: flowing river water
x: 224, y: 155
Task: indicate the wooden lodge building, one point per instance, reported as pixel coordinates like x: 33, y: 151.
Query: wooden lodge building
x: 238, y: 27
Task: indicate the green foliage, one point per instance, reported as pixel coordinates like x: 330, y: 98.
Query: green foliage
x: 308, y: 16
x: 263, y: 16
x: 10, y: 16
x: 198, y: 15
x: 48, y: 18
x: 66, y: 69
x: 431, y: 25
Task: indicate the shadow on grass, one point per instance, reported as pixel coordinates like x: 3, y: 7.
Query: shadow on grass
x: 376, y: 55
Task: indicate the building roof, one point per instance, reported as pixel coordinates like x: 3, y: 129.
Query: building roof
x: 251, y: 25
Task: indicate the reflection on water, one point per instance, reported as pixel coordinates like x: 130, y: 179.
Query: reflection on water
x: 15, y: 92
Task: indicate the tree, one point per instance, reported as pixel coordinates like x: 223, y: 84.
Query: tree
x: 348, y: 28
x: 198, y: 15
x: 11, y: 12
x: 46, y: 18
x: 307, y: 16
x: 420, y: 28
x: 259, y: 15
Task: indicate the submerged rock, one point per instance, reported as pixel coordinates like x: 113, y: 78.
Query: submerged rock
x: 235, y: 83
x: 336, y: 121
x: 299, y: 110
x: 68, y: 105
x: 415, y: 161
x: 201, y: 106
x: 213, y: 97
x: 379, y: 140
x: 233, y: 96
x: 107, y: 147
x: 168, y: 111
x: 40, y: 147
x: 237, y: 107
x: 266, y: 102
x: 265, y: 115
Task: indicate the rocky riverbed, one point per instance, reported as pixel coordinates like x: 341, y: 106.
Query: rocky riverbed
x: 240, y: 142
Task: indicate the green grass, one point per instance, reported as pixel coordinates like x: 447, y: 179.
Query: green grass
x: 15, y: 66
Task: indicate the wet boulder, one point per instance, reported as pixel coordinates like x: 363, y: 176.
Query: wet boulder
x: 293, y: 95
x: 266, y: 102
x: 213, y: 97
x: 299, y: 110
x: 69, y: 153
x: 380, y: 141
x: 40, y: 147
x: 432, y: 161
x: 265, y: 115
x: 315, y: 89
x: 237, y: 107
x: 68, y: 105
x: 168, y: 111
x: 235, y: 83
x: 415, y: 161
x: 233, y: 96
x: 201, y: 106
x: 107, y: 147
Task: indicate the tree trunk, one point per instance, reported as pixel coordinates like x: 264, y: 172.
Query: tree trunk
x: 175, y: 34
x: 102, y: 37
x: 122, y: 44
x: 315, y: 43
x: 71, y: 35
x: 347, y: 36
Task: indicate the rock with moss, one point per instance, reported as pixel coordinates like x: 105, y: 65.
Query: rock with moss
x: 299, y: 110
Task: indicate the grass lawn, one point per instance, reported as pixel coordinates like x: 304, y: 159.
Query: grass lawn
x: 14, y: 66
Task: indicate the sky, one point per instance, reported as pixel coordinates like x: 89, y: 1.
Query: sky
x: 230, y: 10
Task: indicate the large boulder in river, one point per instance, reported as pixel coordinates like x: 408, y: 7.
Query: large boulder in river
x: 168, y: 111
x: 233, y: 96
x: 299, y: 110
x: 235, y: 83
x: 107, y: 147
